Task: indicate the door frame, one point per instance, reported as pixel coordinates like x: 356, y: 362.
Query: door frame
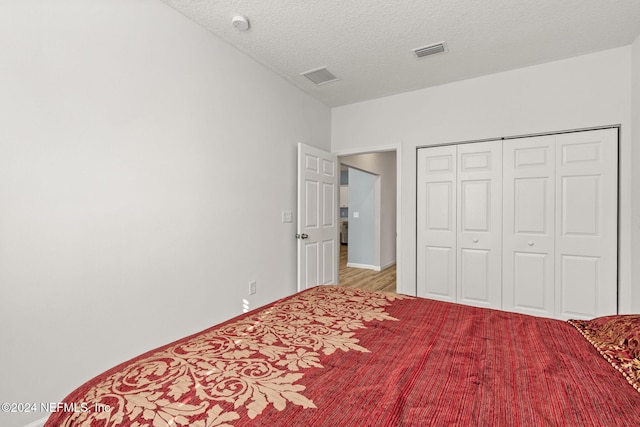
x: 383, y: 149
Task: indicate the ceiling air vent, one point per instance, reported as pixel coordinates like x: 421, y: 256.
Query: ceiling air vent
x: 320, y: 76
x: 433, y: 49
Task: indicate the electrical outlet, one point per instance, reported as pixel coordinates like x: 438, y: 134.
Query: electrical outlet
x: 252, y: 287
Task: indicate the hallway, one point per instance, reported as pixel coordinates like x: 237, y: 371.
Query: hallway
x: 366, y: 279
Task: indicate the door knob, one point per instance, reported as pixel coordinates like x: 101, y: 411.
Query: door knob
x: 530, y: 243
x: 302, y: 236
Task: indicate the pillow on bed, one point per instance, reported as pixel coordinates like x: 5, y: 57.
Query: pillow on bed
x: 617, y: 338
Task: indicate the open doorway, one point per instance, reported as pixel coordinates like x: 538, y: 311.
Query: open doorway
x: 368, y: 218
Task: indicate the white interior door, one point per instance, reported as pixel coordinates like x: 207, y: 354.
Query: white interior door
x: 436, y: 234
x: 586, y: 223
x: 479, y: 278
x: 317, y: 235
x: 528, y: 225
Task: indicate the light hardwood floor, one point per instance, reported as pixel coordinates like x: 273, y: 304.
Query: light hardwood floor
x: 366, y: 279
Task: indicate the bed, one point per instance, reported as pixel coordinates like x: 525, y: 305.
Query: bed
x: 337, y: 356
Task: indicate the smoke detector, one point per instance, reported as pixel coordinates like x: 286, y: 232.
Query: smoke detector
x: 240, y: 23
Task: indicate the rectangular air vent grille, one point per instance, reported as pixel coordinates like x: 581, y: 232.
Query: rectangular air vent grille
x: 433, y: 49
x: 320, y: 76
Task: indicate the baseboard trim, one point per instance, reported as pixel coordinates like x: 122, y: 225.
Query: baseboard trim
x: 365, y: 266
x: 390, y: 264
x: 371, y: 267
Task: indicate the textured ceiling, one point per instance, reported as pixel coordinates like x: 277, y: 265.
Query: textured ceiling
x: 367, y: 43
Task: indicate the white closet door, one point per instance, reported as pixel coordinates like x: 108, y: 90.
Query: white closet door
x: 528, y: 228
x: 586, y: 223
x: 479, y: 280
x: 436, y: 234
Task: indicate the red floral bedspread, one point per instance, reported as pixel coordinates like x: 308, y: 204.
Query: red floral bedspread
x: 334, y: 356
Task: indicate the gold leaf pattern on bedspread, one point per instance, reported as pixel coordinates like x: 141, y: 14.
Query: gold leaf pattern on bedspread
x: 249, y: 363
x: 617, y: 339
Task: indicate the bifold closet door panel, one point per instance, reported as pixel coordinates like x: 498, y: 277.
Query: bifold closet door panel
x: 586, y: 223
x: 436, y: 228
x: 528, y: 225
x: 479, y: 212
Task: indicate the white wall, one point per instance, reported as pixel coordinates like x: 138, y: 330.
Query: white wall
x: 144, y: 165
x: 586, y: 91
x: 635, y: 160
x: 384, y: 165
